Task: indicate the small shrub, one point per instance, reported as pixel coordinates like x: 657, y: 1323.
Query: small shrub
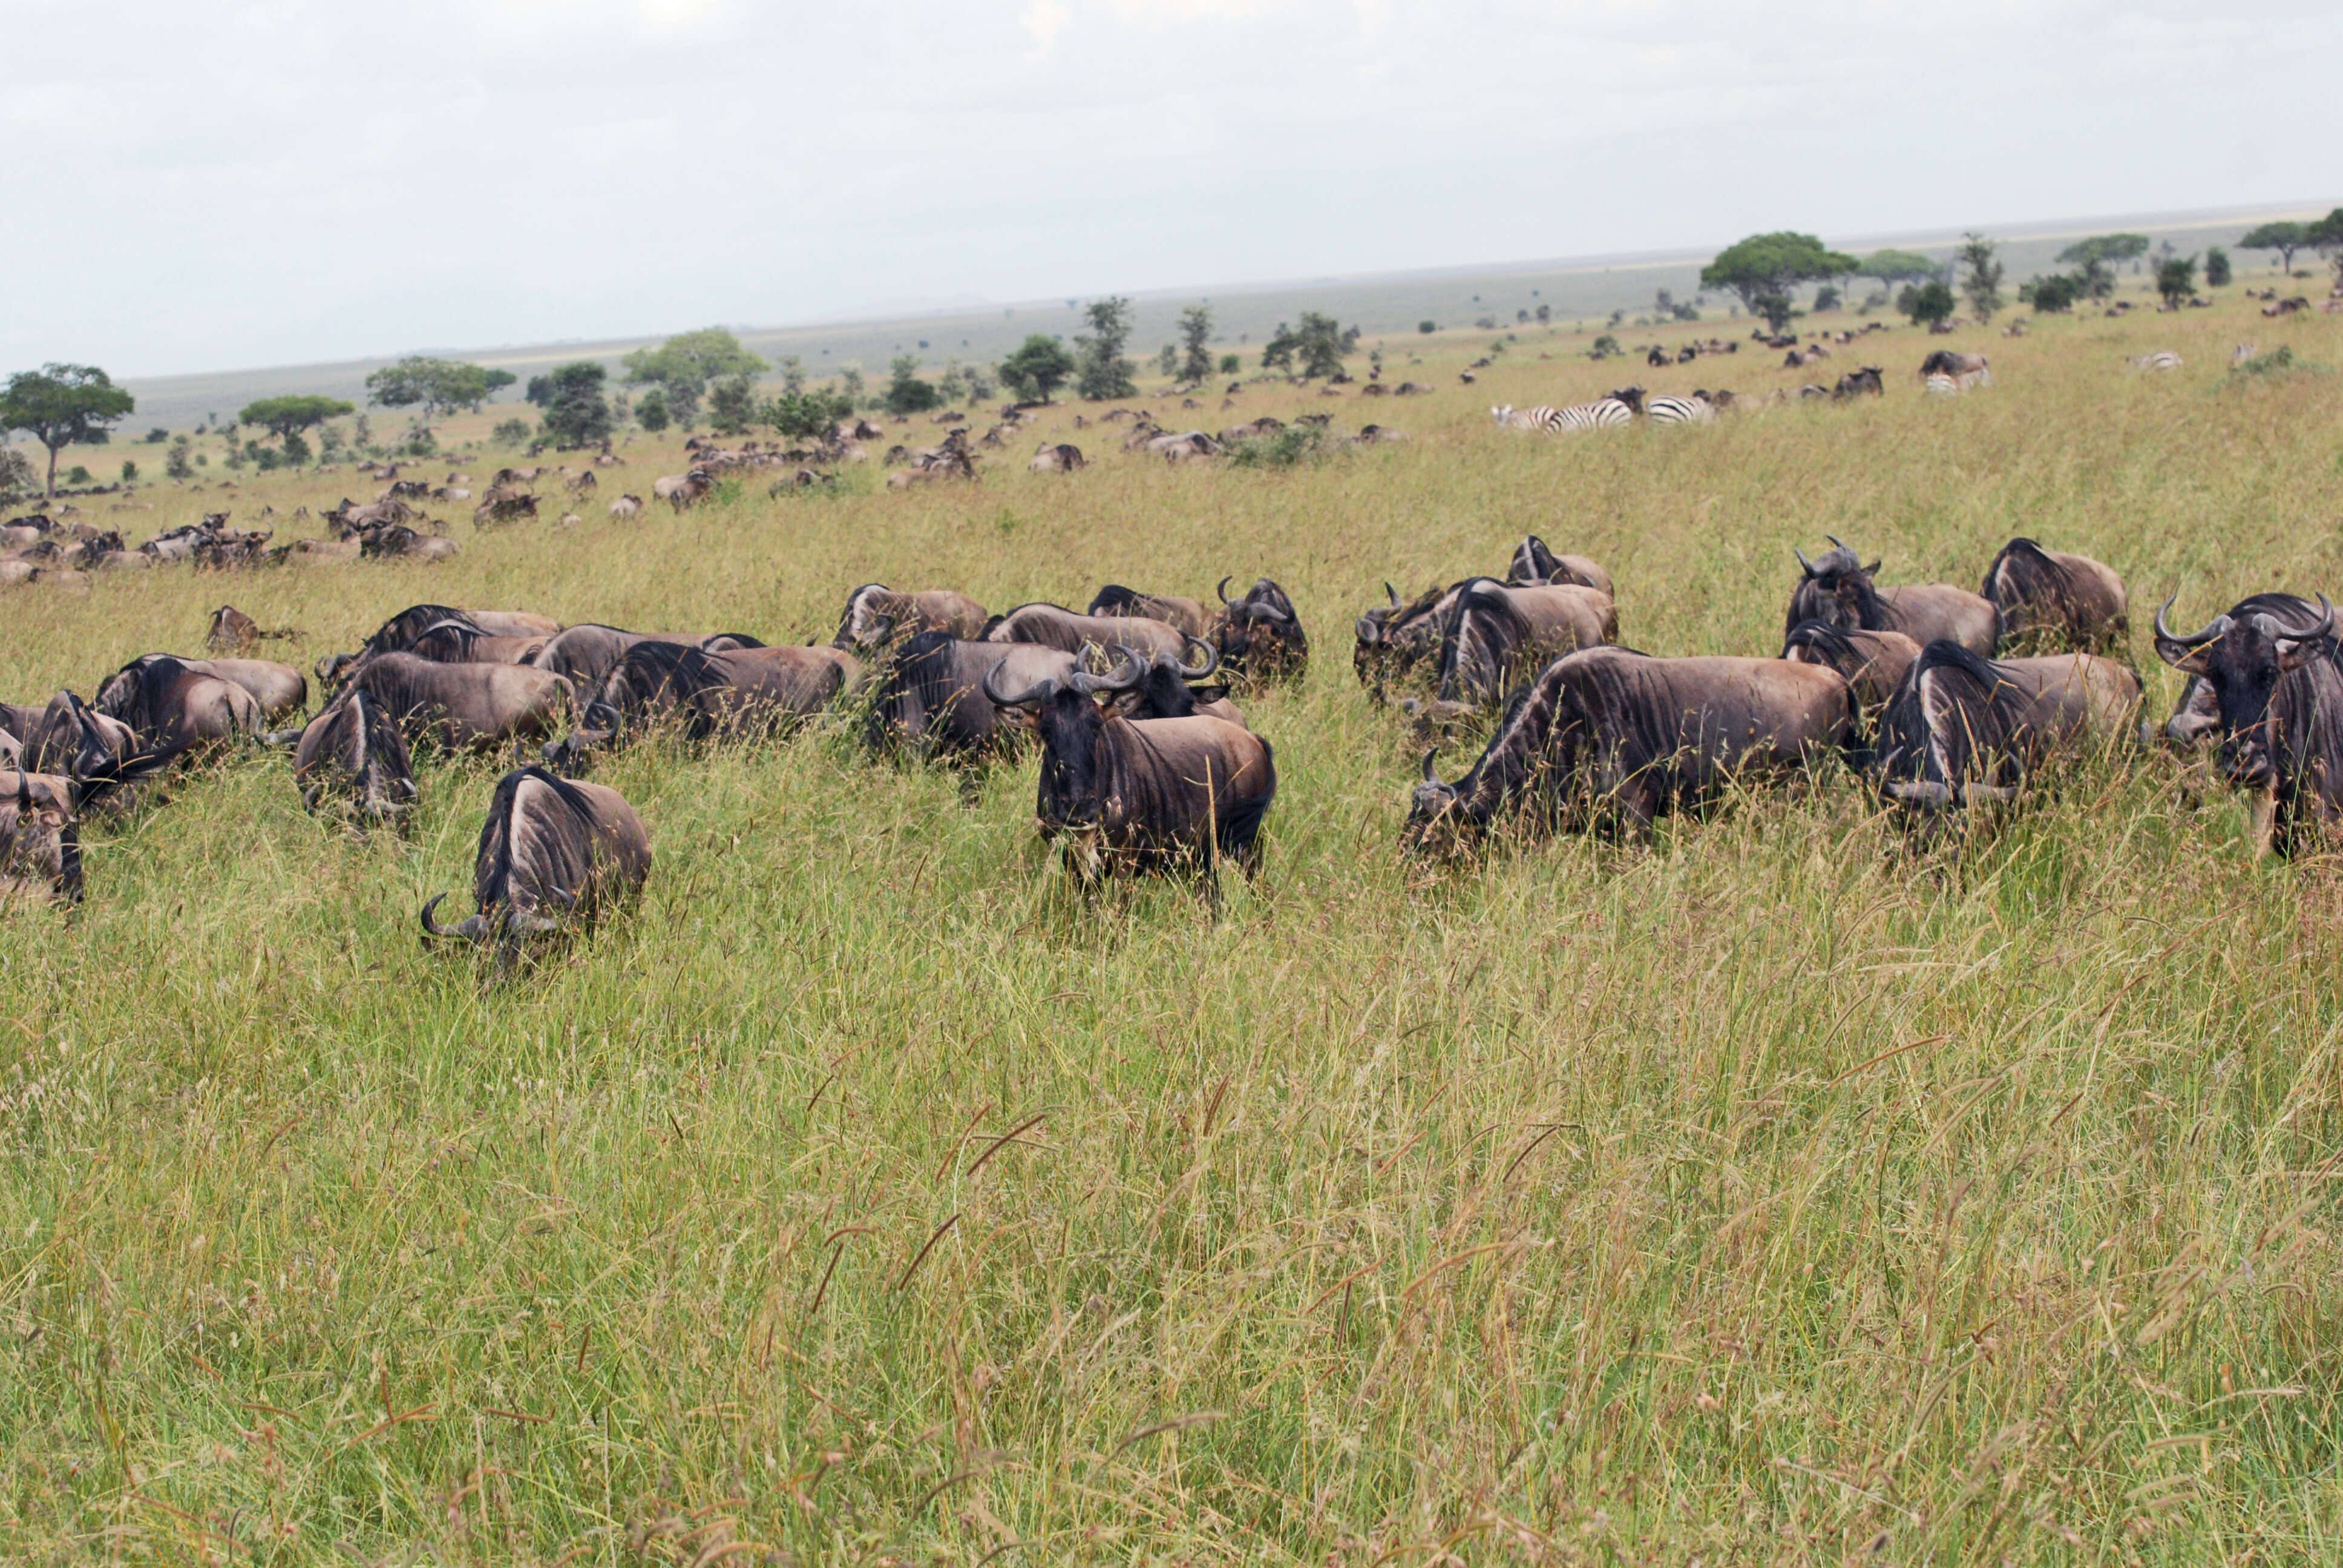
x: 129, y: 471
x: 2216, y: 269
x: 157, y: 436
x: 516, y: 432
x: 1231, y: 364
x: 175, y: 462
x: 78, y: 474
x: 1605, y: 346
x: 2280, y: 361
x: 1286, y: 449
x: 1427, y: 326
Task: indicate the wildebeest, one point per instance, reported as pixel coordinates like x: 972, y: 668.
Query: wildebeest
x: 930, y: 701
x: 583, y: 654
x: 1499, y: 637
x: 1535, y: 565
x: 397, y: 633
x: 503, y: 505
x: 279, y: 689
x: 682, y: 490
x: 355, y: 749
x: 551, y: 849
x: 1260, y: 636
x: 1056, y: 458
x: 1965, y: 370
x: 2196, y: 714
x: 1610, y: 738
x: 464, y: 707
x: 1962, y: 728
x: 170, y: 705
x: 2053, y: 600
x: 876, y: 615
x: 1839, y: 590
x: 40, y: 843
x: 461, y: 642
x: 1140, y: 795
x: 1054, y: 626
x: 70, y: 739
x: 233, y: 631
x: 1872, y: 663
x: 1186, y: 445
x: 2270, y: 678
x: 627, y: 507
x: 1186, y: 615
x: 743, y: 691
x: 1393, y: 640
x: 1862, y: 383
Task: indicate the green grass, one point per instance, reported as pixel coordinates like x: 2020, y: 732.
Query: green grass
x: 1765, y: 1194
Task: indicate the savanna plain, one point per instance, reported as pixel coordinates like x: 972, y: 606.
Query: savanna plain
x: 1779, y: 1191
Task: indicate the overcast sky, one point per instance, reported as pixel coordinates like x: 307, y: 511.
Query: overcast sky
x: 199, y: 186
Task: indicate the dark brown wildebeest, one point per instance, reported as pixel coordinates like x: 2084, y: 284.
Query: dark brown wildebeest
x: 2050, y: 600
x: 397, y: 633
x: 551, y: 849
x: 1963, y: 370
x: 462, y: 707
x: 1963, y: 728
x: 1872, y: 663
x: 1393, y: 639
x: 2270, y: 675
x: 683, y: 491
x: 40, y: 843
x: 745, y: 693
x: 461, y: 642
x: 1054, y: 626
x: 582, y: 654
x: 233, y: 631
x: 504, y: 506
x: 171, y: 705
x: 1839, y: 590
x: 1141, y: 795
x: 1056, y: 458
x: 1499, y: 637
x: 1862, y: 383
x: 876, y: 615
x: 930, y: 701
x: 1612, y: 739
x: 1535, y: 566
x: 1167, y: 689
x: 1115, y: 601
x: 67, y: 737
x: 355, y: 749
x: 279, y: 689
x: 1260, y: 636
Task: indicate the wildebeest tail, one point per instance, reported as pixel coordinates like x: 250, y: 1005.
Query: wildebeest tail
x: 1239, y: 827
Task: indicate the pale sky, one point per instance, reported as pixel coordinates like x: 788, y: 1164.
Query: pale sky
x: 212, y: 183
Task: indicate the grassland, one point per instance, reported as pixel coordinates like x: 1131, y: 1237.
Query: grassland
x: 1768, y: 1194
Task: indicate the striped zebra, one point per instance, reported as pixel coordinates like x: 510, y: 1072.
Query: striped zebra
x: 1696, y: 410
x: 1941, y: 386
x: 2162, y: 359
x: 1599, y: 415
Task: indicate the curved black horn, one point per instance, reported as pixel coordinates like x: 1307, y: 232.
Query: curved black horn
x: 1128, y: 672
x: 2326, y: 625
x: 1223, y: 590
x: 1808, y: 565
x: 2213, y: 628
x: 1393, y: 592
x: 1211, y: 660
x: 1040, y: 691
x: 1429, y: 776
x: 1835, y: 539
x: 432, y: 928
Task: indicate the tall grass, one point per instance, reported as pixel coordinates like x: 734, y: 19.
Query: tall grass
x: 1774, y: 1192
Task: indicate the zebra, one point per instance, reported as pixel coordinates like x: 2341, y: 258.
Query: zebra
x: 1603, y: 414
x: 1941, y: 386
x: 2242, y: 353
x: 2162, y: 359
x: 1696, y: 410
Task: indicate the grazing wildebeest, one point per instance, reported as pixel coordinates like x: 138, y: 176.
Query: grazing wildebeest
x: 627, y: 507
x: 1054, y: 626
x: 1839, y: 590
x: 1186, y: 615
x: 1260, y: 636
x: 1610, y: 738
x: 2270, y: 676
x: 682, y: 490
x: 1872, y: 663
x: 397, y: 633
x: 464, y: 707
x: 1056, y: 458
x: 875, y: 616
x: 551, y: 849
x: 1862, y: 383
x: 1393, y: 640
x: 68, y: 738
x: 168, y: 704
x: 355, y: 749
x: 747, y: 690
x: 501, y: 506
x: 1167, y: 689
x: 2052, y: 600
x: 1499, y: 637
x: 279, y: 689
x: 1962, y: 728
x: 1141, y: 795
x: 583, y: 654
x: 233, y: 631
x: 1963, y: 370
x: 461, y: 642
x: 931, y: 699
x: 1533, y: 566
x: 40, y: 843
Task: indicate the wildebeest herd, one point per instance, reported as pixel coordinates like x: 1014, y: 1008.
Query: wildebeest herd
x: 1942, y: 698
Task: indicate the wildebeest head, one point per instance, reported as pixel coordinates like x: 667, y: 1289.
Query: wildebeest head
x: 2242, y: 658
x: 74, y: 741
x: 1070, y: 725
x: 1394, y: 635
x: 1260, y: 636
x: 1165, y: 688
x: 40, y: 847
x: 1837, y: 590
x: 872, y: 613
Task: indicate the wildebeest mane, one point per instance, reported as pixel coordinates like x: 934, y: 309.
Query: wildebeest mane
x: 918, y: 680
x: 2024, y: 573
x: 1484, y: 635
x: 399, y: 633
x: 1115, y: 599
x: 738, y: 639
x: 651, y: 671
x: 561, y: 860
x: 1949, y: 721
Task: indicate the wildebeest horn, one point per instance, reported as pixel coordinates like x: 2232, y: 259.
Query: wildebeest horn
x: 1835, y: 539
x: 1129, y: 671
x: 1429, y: 776
x: 280, y: 738
x: 1393, y: 592
x: 1223, y: 590
x: 2326, y: 623
x: 467, y: 930
x: 1040, y: 691
x: 1808, y: 565
x: 1211, y: 660
x: 1921, y: 793
x: 2212, y: 629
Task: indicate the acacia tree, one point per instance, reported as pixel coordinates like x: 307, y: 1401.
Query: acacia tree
x: 435, y: 386
x: 286, y: 418
x: 2285, y: 237
x: 62, y: 405
x: 1195, y: 342
x: 1894, y: 266
x: 2099, y: 257
x: 576, y: 411
x: 1982, y: 277
x: 1101, y: 371
x: 1765, y: 270
x: 2327, y: 235
x: 685, y: 364
x: 2176, y: 279
x: 1039, y: 368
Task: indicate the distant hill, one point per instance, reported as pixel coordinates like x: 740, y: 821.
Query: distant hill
x: 1385, y: 307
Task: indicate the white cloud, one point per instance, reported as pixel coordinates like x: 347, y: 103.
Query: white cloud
x: 623, y: 138
x: 1045, y: 19
x: 43, y: 101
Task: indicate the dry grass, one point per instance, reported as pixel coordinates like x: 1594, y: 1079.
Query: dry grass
x: 1766, y: 1195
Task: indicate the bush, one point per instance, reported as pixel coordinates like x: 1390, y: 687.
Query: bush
x: 905, y: 393
x: 78, y: 474
x: 157, y: 436
x: 1286, y: 449
x: 175, y: 462
x: 650, y: 411
x: 2278, y: 361
x: 516, y: 432
x: 2050, y: 296
x: 1927, y: 304
x: 129, y: 471
x: 1231, y: 364
x: 2216, y: 269
x: 1605, y: 347
x: 2176, y: 279
x: 1826, y: 297
x: 1427, y: 326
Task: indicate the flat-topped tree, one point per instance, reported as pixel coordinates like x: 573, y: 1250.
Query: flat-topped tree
x: 685, y: 364
x: 1765, y: 270
x: 62, y: 405
x: 1039, y: 368
x: 435, y: 386
x: 2285, y: 237
x: 1894, y: 266
x: 286, y: 418
x: 2099, y: 257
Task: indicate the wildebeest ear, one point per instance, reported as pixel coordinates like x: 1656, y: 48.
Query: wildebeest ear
x: 2181, y: 657
x: 1871, y: 568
